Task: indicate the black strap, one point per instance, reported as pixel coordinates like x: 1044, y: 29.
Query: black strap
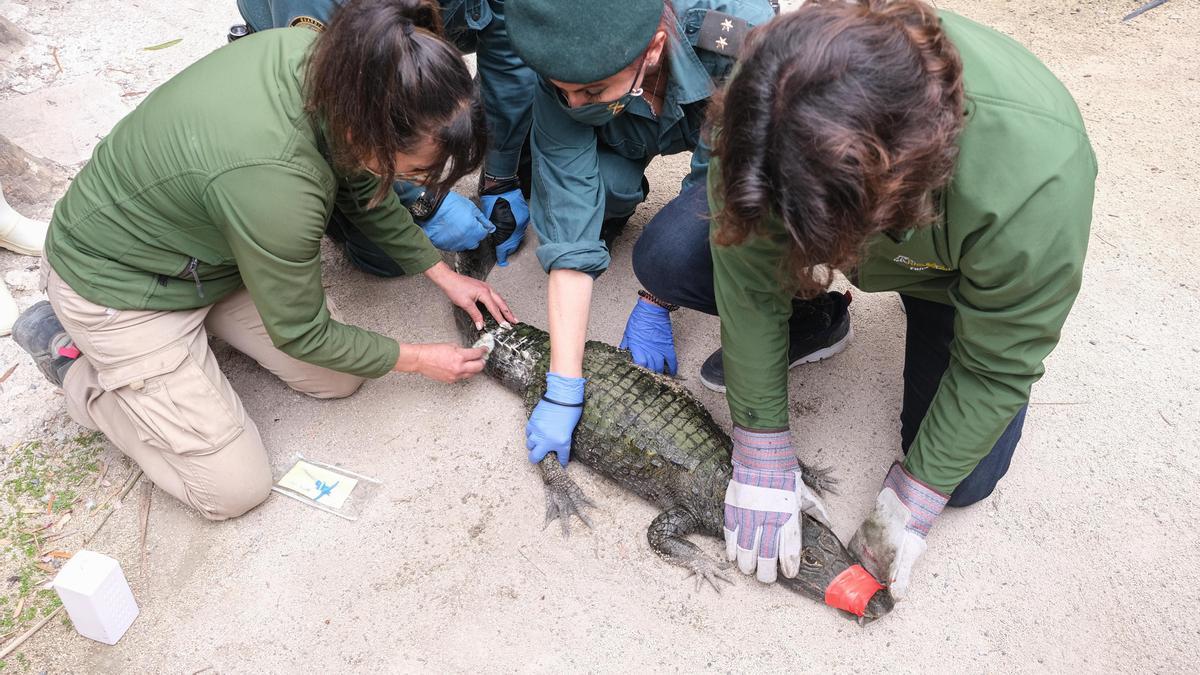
x: 565, y: 405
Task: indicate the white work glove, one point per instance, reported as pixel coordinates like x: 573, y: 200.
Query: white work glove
x: 893, y: 536
x: 763, y: 504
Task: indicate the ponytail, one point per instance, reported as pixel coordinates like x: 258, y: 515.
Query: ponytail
x: 383, y: 81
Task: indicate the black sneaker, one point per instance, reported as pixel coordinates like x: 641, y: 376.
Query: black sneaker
x: 39, y: 332
x: 820, y: 328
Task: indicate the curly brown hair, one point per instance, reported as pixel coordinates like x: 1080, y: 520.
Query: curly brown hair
x: 383, y: 81
x: 843, y: 123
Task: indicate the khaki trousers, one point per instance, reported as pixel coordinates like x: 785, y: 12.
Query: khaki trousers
x: 149, y: 381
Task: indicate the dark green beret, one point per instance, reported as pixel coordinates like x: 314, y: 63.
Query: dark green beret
x: 580, y: 41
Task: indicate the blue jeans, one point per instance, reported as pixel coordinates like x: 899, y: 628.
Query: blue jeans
x: 672, y: 260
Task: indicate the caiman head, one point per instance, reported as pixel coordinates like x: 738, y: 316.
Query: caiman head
x: 513, y: 353
x: 830, y: 571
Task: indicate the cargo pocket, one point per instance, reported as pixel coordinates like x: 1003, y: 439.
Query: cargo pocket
x: 171, y: 402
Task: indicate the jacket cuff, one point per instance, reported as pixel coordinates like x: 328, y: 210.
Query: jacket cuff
x: 503, y: 162
x: 764, y: 451
x: 924, y: 503
x: 588, y: 257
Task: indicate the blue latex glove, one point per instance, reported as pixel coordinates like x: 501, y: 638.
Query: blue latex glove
x: 457, y: 225
x: 648, y: 336
x: 554, y: 419
x: 520, y: 211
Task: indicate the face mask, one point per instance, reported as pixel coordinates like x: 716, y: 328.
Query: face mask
x: 599, y: 114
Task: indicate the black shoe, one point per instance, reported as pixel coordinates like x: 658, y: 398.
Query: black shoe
x: 39, y: 332
x: 819, y: 329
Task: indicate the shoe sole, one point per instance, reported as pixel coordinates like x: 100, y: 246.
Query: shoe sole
x: 811, y: 357
x: 20, y: 250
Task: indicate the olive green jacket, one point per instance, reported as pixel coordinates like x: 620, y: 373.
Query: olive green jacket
x: 220, y: 179
x: 1007, y: 255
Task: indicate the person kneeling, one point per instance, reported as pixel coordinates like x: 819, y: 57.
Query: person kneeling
x: 203, y: 212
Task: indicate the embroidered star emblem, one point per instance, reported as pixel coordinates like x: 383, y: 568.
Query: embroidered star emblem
x: 727, y: 25
x: 722, y: 43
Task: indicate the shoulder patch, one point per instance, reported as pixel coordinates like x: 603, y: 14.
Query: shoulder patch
x: 722, y: 33
x: 308, y: 22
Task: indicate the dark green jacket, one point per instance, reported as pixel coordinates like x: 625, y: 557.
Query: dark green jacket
x: 567, y: 204
x: 1007, y: 255
x: 221, y: 165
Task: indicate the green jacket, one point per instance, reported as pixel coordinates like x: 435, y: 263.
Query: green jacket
x: 221, y: 169
x: 1007, y: 255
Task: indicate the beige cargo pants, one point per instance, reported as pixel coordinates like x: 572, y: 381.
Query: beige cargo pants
x: 149, y: 381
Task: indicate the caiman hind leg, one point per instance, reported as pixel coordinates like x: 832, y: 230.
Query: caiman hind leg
x: 667, y: 535
x: 563, y: 496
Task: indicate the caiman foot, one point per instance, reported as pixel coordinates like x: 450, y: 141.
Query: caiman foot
x: 708, y: 570
x: 668, y: 538
x: 821, y: 479
x: 563, y: 497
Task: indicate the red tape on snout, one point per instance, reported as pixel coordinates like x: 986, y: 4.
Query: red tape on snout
x: 852, y: 590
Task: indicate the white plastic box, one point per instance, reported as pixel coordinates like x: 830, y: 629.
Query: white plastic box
x: 96, y: 595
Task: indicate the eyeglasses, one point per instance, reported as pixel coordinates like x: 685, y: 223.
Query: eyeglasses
x: 418, y: 177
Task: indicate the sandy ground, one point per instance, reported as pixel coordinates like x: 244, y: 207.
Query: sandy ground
x: 1084, y: 560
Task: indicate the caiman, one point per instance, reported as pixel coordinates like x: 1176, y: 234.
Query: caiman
x: 652, y: 436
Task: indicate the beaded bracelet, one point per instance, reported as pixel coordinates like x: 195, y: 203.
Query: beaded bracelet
x: 670, y: 307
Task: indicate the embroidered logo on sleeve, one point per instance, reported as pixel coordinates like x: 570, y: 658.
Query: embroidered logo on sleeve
x: 919, y: 266
x: 308, y: 22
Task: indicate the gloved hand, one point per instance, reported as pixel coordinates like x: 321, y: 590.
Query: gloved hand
x: 520, y: 214
x: 892, y: 538
x: 763, y: 505
x: 554, y: 419
x: 457, y: 225
x: 649, y: 338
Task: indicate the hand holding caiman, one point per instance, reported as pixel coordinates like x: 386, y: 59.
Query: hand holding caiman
x: 652, y: 436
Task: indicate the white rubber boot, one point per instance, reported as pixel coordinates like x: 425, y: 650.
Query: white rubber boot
x: 8, y: 310
x: 18, y: 233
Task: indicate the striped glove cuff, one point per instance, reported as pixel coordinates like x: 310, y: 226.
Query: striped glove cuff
x: 923, y: 502
x: 764, y: 451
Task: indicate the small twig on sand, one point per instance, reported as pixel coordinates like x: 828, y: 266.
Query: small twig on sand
x: 530, y: 561
x: 57, y: 63
x: 144, y: 524
x: 1164, y: 418
x: 1143, y: 9
x: 10, y: 647
x: 120, y: 495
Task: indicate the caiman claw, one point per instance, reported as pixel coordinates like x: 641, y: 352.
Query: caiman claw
x: 563, y: 496
x: 707, y: 570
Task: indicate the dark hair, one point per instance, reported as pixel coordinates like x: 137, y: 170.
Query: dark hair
x: 383, y: 80
x: 842, y: 122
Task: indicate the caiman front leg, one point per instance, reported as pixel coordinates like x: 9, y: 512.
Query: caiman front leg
x: 563, y: 496
x: 668, y: 537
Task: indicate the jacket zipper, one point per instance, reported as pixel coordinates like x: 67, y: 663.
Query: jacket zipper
x: 193, y: 263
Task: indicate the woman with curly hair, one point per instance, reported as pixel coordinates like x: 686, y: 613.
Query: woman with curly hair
x: 917, y: 152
